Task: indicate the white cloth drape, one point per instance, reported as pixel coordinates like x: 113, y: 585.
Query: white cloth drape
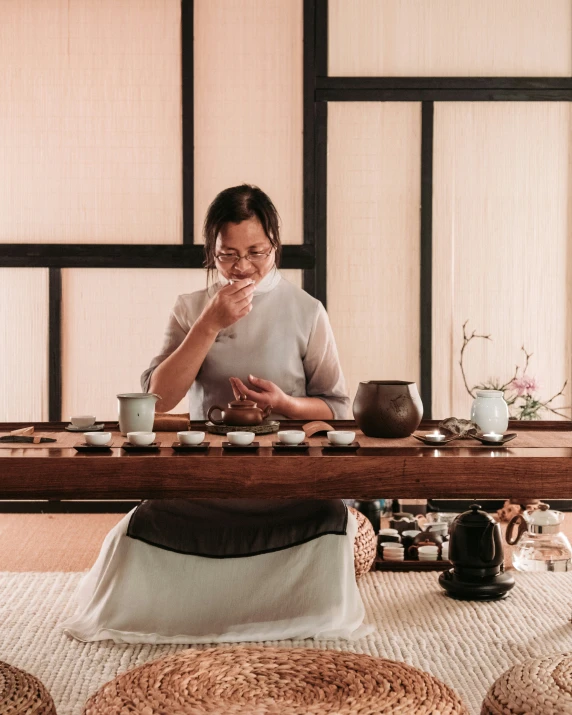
x: 138, y: 593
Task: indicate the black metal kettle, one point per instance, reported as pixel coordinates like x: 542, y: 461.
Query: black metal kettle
x: 476, y: 551
x: 476, y: 543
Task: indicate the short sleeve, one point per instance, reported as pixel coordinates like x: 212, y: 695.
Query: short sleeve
x: 174, y: 336
x: 324, y: 377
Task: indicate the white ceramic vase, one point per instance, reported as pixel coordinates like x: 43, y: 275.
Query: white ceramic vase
x: 490, y: 411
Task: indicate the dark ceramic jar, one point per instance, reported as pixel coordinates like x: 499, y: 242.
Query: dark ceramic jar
x: 387, y: 408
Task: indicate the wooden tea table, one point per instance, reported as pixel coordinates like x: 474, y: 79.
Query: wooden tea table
x: 538, y: 463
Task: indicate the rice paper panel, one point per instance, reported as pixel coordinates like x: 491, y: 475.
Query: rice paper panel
x: 113, y: 322
x: 501, y: 241
x: 450, y: 38
x: 113, y: 325
x: 24, y: 301
x: 248, y: 104
x: 90, y: 127
x: 373, y: 238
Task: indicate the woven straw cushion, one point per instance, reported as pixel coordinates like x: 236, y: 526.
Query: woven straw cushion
x: 274, y: 681
x: 365, y: 544
x: 22, y: 693
x: 538, y: 686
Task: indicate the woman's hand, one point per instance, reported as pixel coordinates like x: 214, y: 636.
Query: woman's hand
x: 229, y: 305
x: 265, y: 392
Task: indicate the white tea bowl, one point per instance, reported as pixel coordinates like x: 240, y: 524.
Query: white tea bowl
x: 141, y: 439
x: 341, y: 438
x: 241, y: 438
x: 97, y: 439
x: 291, y: 436
x: 192, y: 438
x: 82, y: 421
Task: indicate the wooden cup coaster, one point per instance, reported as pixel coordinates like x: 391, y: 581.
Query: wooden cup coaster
x: 229, y: 447
x: 128, y: 447
x: 202, y: 447
x: 84, y: 447
x: 282, y: 447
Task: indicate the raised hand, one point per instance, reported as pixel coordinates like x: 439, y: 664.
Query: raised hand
x: 229, y: 305
x: 263, y: 392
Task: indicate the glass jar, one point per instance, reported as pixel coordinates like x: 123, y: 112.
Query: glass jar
x: 490, y: 411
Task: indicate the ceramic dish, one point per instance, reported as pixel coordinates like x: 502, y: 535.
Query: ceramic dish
x: 93, y: 428
x: 329, y: 447
x: 229, y: 447
x: 83, y: 447
x: 128, y: 447
x: 202, y: 447
x: 432, y: 443
x: 493, y: 442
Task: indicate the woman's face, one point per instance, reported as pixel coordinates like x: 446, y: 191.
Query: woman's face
x: 246, y: 238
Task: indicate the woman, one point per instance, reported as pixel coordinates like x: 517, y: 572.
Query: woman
x: 181, y: 571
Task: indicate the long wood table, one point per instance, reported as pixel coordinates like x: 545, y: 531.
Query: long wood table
x: 537, y: 463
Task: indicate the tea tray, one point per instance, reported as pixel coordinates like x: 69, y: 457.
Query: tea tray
x: 265, y: 428
x: 411, y: 565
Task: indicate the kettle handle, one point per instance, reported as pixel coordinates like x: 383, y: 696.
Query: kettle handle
x: 517, y: 522
x: 212, y: 419
x: 267, y: 411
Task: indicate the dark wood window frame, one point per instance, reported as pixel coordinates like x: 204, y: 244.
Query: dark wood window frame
x: 311, y: 255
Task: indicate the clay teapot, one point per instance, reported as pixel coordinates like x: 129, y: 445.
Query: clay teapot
x: 241, y: 412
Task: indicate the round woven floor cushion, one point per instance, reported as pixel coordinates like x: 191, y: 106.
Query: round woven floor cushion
x: 365, y: 544
x: 22, y: 693
x: 274, y: 681
x: 538, y: 686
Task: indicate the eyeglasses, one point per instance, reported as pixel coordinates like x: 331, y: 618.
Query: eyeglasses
x: 233, y: 258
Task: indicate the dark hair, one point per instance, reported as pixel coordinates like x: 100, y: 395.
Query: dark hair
x: 236, y: 204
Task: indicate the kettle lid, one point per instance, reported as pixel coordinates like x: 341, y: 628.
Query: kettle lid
x: 544, y: 516
x: 474, y: 517
x: 242, y: 402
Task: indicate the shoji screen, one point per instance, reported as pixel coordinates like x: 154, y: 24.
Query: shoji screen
x: 450, y: 38
x: 90, y: 126
x: 502, y: 246
x: 248, y: 104
x: 23, y: 344
x: 373, y: 238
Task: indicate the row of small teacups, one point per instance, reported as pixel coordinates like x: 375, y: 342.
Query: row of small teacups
x: 411, y: 542
x: 143, y: 439
x: 428, y: 552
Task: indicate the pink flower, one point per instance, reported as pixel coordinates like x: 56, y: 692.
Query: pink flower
x: 524, y: 385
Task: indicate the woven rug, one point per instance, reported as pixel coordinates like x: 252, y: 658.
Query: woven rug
x: 467, y: 645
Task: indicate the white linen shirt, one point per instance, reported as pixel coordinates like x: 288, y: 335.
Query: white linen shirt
x: 286, y: 338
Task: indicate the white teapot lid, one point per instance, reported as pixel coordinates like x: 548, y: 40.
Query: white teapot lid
x: 544, y: 516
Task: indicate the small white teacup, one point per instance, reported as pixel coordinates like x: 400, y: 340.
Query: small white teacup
x: 428, y: 553
x: 340, y: 437
x: 241, y: 438
x: 97, y: 439
x: 291, y: 436
x: 141, y: 439
x: 82, y: 421
x: 191, y: 438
